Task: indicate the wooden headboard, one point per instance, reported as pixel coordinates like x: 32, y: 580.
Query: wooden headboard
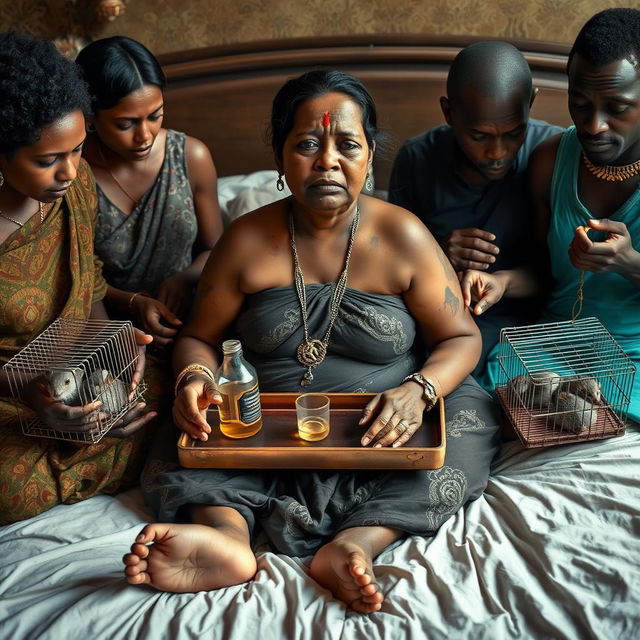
x: 223, y: 95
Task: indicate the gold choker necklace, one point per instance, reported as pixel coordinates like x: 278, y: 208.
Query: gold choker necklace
x: 611, y: 173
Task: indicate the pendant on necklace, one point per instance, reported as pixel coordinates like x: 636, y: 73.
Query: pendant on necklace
x: 307, y: 379
x: 311, y: 352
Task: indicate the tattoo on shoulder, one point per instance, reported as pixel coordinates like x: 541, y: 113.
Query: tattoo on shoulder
x: 451, y: 300
x: 447, y: 266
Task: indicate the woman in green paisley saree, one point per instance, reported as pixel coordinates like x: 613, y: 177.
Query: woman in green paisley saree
x: 48, y: 270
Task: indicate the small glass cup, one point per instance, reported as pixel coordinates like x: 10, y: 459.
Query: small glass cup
x: 312, y: 412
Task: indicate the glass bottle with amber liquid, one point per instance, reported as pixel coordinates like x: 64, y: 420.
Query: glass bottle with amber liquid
x: 240, y: 411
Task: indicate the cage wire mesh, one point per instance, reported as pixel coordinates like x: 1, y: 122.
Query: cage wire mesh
x: 81, y: 361
x: 563, y: 382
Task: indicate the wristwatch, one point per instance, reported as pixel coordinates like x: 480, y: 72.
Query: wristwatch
x: 429, y: 394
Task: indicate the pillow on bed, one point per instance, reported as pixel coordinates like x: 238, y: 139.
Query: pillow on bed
x: 240, y: 194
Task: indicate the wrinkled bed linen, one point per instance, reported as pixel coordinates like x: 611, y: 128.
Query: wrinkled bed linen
x: 552, y: 550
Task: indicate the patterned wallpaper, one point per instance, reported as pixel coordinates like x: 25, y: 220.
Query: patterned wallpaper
x: 173, y: 25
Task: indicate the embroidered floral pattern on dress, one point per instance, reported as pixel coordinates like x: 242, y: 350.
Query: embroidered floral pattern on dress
x: 379, y: 325
x: 292, y: 321
x: 297, y: 518
x: 464, y: 420
x: 446, y: 494
x: 361, y: 495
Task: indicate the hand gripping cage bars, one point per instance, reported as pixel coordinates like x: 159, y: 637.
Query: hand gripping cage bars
x: 76, y: 349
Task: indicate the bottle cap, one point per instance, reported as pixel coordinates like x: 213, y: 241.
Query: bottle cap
x: 231, y: 346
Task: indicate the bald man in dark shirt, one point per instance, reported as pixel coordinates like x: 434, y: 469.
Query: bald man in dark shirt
x: 466, y: 180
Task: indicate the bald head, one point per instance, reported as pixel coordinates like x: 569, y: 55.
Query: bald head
x: 496, y: 70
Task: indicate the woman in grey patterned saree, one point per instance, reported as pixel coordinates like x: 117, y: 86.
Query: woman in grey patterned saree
x: 278, y: 281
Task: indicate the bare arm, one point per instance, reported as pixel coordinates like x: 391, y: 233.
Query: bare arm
x: 434, y: 299
x: 218, y: 301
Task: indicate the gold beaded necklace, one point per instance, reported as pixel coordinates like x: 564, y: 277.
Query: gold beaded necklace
x: 21, y: 224
x: 611, y: 173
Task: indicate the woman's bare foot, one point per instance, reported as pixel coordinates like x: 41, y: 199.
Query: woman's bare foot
x: 185, y: 558
x: 346, y: 569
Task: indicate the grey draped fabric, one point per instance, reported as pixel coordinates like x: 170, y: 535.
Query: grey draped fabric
x: 371, y: 348
x: 142, y: 249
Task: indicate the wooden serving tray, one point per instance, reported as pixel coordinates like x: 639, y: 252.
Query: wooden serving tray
x: 278, y: 446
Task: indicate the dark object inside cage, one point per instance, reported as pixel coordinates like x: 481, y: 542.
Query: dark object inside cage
x: 564, y: 382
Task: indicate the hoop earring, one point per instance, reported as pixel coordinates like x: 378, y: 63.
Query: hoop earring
x: 280, y: 183
x: 368, y: 184
x: 1, y: 179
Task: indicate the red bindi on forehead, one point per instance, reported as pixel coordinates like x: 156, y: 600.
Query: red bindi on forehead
x: 326, y: 119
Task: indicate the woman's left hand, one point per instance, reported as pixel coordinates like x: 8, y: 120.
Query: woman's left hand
x: 398, y: 415
x: 175, y: 293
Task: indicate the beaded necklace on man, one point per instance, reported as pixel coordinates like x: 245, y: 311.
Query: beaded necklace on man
x: 311, y: 352
x: 611, y: 173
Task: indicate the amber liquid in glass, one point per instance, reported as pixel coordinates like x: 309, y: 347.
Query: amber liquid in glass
x: 313, y: 428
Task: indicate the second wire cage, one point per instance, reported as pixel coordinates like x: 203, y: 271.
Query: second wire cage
x: 563, y: 382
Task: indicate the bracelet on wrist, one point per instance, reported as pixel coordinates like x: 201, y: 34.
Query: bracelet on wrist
x: 192, y: 368
x: 133, y: 297
x: 429, y: 394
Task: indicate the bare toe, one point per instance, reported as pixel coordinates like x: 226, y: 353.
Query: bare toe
x: 346, y: 570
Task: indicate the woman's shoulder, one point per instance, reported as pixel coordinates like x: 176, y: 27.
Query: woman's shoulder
x: 398, y: 226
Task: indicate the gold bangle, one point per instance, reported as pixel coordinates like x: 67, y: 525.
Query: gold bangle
x: 191, y: 368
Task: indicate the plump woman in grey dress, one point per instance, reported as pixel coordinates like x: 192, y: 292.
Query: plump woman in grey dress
x: 335, y: 291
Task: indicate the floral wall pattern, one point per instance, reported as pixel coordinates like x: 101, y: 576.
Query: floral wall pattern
x: 173, y: 25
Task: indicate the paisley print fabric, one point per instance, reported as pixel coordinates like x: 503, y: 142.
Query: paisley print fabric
x: 48, y: 271
x: 143, y: 248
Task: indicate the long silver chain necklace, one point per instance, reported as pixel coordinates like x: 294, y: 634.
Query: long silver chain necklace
x: 21, y: 224
x: 310, y: 352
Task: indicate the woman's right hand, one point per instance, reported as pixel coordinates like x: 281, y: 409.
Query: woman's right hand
x: 482, y: 290
x: 81, y: 418
x: 191, y: 404
x: 151, y: 314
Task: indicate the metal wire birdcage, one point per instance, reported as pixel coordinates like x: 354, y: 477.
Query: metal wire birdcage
x: 81, y: 361
x: 563, y: 382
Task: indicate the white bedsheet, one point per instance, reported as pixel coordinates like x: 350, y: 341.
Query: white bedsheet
x: 552, y: 550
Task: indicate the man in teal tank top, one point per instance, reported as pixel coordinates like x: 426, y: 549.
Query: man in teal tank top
x: 585, y: 186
